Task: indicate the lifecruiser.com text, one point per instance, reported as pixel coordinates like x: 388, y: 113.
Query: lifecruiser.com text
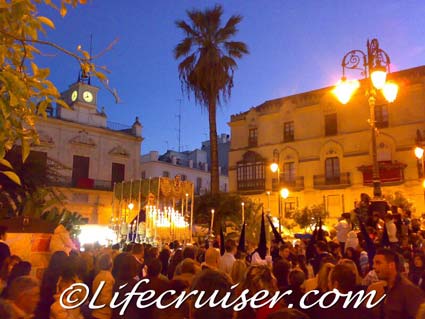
x: 77, y: 294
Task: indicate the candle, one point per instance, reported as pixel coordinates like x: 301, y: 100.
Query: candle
x: 243, y: 212
x: 212, y: 220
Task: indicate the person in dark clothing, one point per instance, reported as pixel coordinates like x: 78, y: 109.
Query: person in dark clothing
x: 57, y: 265
x: 403, y: 298
x: 296, y: 281
x: 164, y: 257
x: 321, y: 253
x: 281, y: 271
x: 157, y: 283
x: 417, y: 269
x: 124, y: 282
x: 4, y: 248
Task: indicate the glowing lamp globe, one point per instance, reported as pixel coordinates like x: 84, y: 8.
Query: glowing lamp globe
x: 379, y: 76
x: 390, y: 91
x: 345, y: 89
x: 284, y: 193
x: 274, y: 167
x: 419, y: 152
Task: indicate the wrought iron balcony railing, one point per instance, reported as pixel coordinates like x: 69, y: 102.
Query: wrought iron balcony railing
x: 332, y: 182
x: 294, y: 184
x: 252, y: 185
x: 84, y: 183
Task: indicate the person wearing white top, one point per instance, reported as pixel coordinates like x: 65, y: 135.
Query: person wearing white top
x: 391, y: 230
x: 226, y: 261
x: 342, y: 229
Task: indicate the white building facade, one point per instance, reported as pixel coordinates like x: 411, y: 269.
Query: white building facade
x: 190, y: 166
x: 93, y: 153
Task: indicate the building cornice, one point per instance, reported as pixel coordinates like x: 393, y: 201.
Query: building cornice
x: 80, y: 126
x: 313, y: 97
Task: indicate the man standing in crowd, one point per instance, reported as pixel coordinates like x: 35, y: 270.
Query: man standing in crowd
x: 321, y: 252
x: 391, y: 230
x: 342, y: 229
x: 403, y: 298
x: 226, y: 261
x: 4, y: 248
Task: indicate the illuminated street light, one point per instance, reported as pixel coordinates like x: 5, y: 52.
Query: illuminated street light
x: 419, y: 152
x: 374, y: 65
x: 284, y: 193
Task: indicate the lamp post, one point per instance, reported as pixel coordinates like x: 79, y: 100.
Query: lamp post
x: 274, y: 167
x: 268, y: 202
x: 419, y: 153
x: 284, y: 193
x: 374, y: 65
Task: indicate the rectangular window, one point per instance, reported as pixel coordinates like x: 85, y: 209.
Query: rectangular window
x: 289, y: 172
x: 288, y: 131
x: 253, y: 137
x: 143, y: 175
x: 165, y: 174
x: 331, y: 127
x: 118, y: 173
x: 332, y: 170
x: 80, y: 171
x: 381, y: 116
x: 183, y: 177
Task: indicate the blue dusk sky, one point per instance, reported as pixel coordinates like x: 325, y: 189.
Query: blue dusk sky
x: 295, y: 46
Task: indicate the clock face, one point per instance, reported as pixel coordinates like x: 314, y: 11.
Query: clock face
x: 74, y: 96
x: 88, y: 96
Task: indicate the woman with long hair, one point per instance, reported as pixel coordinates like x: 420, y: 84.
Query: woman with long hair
x: 57, y: 265
x: 258, y: 277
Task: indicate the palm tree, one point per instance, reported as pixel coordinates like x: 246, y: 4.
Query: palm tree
x: 208, y: 66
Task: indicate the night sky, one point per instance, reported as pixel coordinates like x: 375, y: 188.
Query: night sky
x: 295, y: 46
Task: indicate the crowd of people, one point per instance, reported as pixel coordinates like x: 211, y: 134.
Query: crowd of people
x: 375, y: 255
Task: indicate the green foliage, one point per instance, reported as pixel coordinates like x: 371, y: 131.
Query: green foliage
x: 309, y: 216
x: 398, y: 199
x: 34, y: 195
x: 208, y: 63
x: 228, y: 210
x: 70, y: 220
x: 25, y: 90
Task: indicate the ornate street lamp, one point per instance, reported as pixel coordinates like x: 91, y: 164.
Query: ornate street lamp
x: 284, y: 193
x: 274, y: 167
x: 374, y: 65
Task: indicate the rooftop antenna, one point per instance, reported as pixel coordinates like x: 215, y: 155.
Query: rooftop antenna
x: 91, y: 53
x: 180, y: 124
x: 84, y: 77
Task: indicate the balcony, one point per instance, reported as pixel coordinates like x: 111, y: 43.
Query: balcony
x: 252, y: 186
x: 334, y: 182
x: 390, y: 173
x: 295, y: 185
x: 83, y: 183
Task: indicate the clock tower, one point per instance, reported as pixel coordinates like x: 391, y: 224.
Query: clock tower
x: 82, y: 100
x: 81, y: 92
